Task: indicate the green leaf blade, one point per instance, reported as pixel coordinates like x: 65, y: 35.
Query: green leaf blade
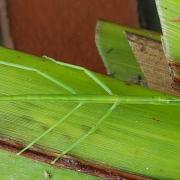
x: 20, y: 168
x: 137, y: 138
x: 169, y: 15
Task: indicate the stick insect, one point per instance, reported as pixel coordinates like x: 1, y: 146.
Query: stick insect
x: 81, y: 100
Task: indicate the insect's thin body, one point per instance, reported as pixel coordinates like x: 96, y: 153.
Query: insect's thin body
x: 95, y: 99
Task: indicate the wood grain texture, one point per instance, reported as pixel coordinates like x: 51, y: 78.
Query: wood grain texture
x: 65, y: 29
x: 153, y: 62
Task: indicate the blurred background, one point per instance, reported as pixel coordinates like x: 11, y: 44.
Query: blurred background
x: 65, y: 29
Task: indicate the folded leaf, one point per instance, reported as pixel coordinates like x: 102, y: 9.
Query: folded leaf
x: 117, y: 55
x: 170, y: 21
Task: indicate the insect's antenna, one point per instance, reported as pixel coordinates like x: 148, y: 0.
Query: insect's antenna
x: 92, y: 130
x: 50, y: 129
x: 87, y: 72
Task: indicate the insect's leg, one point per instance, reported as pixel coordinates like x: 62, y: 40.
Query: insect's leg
x: 83, y: 137
x: 50, y: 129
x: 58, y: 82
x: 87, y: 72
x: 97, y: 80
x: 53, y: 80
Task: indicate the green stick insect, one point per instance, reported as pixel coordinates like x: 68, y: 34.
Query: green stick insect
x: 80, y: 87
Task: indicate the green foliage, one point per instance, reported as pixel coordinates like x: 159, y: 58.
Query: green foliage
x: 68, y: 109
x: 113, y: 46
x: 20, y: 168
x: 170, y: 21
